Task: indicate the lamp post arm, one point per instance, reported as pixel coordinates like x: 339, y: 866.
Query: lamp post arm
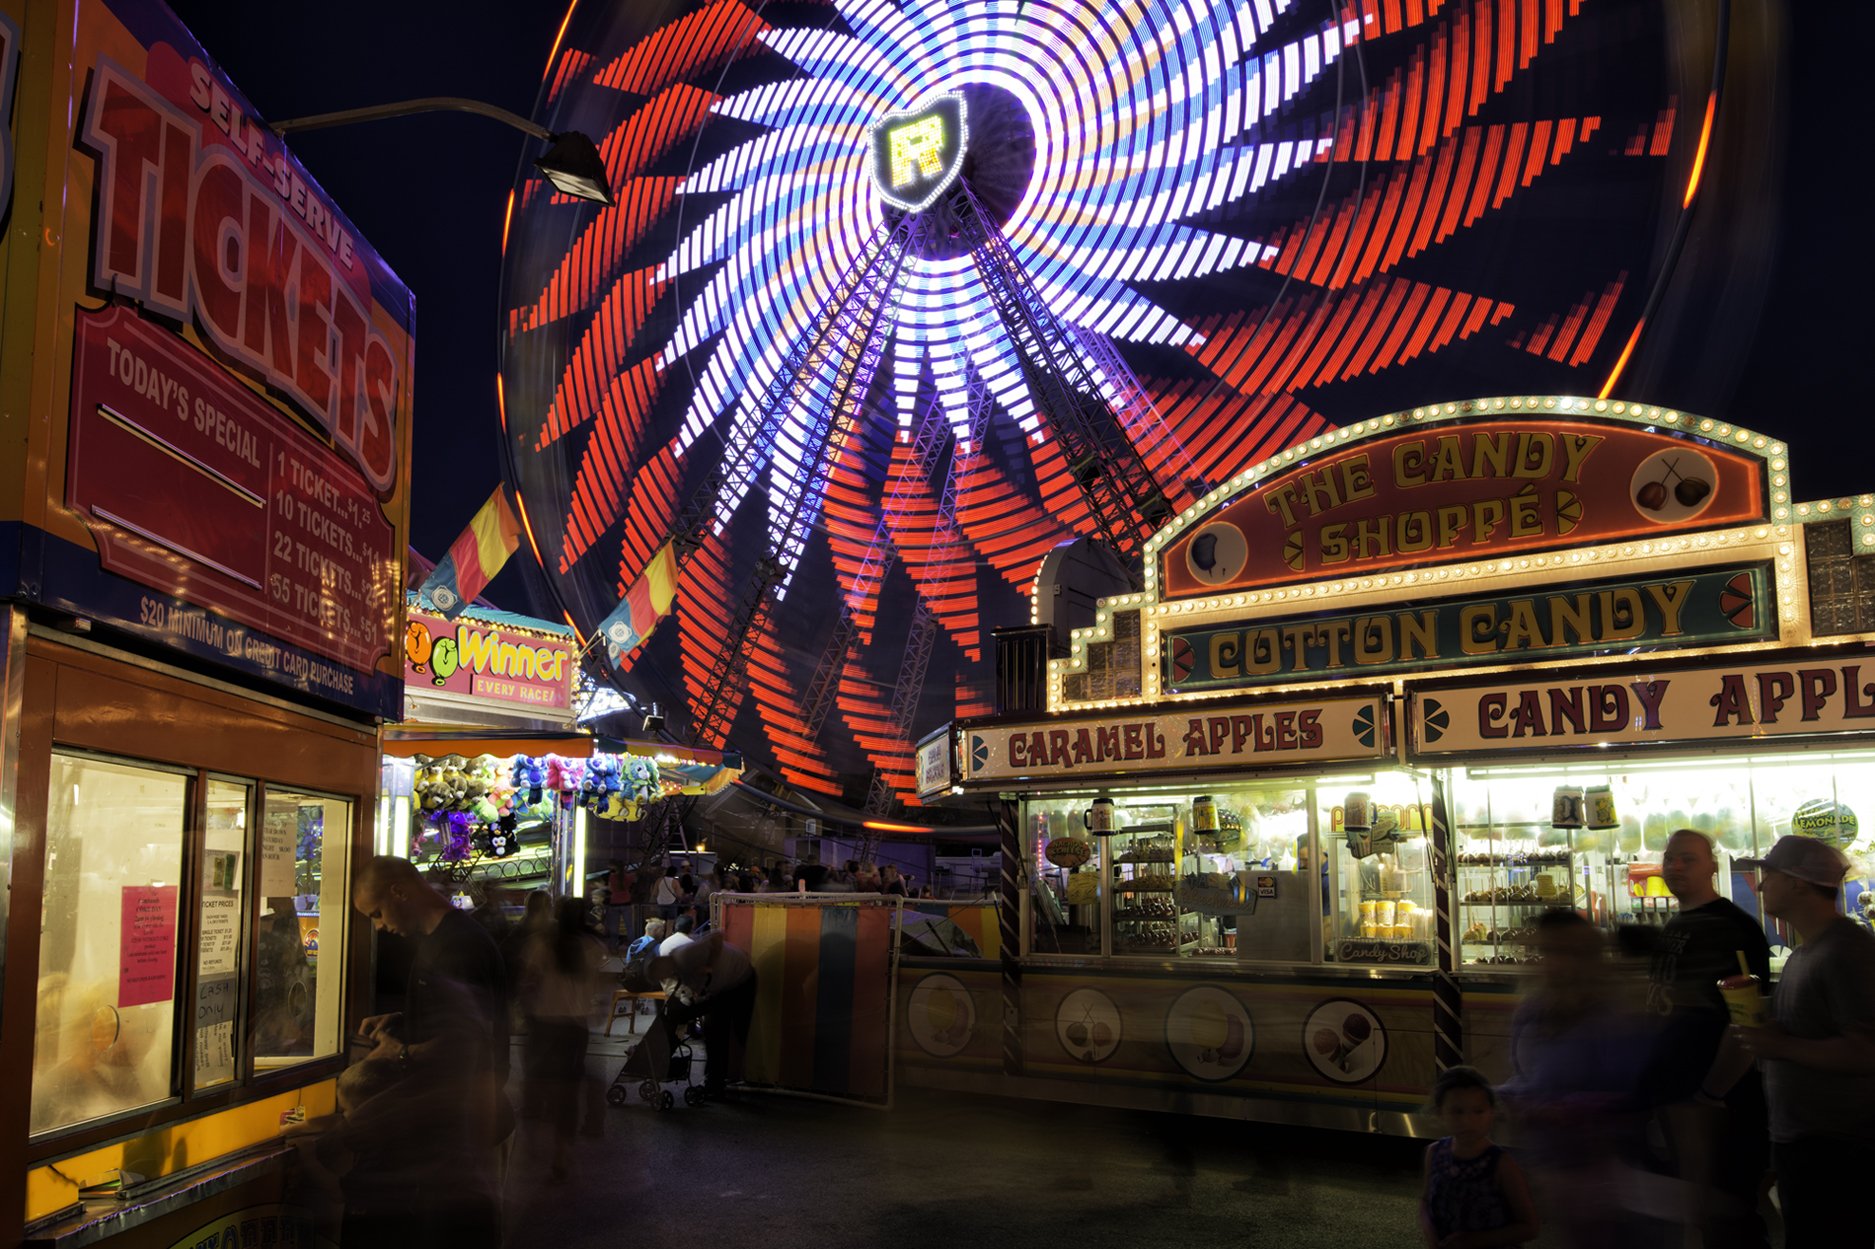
x: 432, y: 104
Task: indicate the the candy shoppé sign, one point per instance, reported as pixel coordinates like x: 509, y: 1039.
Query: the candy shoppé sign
x: 1442, y: 493
x: 1816, y: 696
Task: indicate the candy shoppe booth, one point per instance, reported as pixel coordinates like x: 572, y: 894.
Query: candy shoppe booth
x: 1277, y: 842
x: 203, y: 508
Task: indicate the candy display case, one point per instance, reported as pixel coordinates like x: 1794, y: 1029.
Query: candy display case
x: 1536, y: 839
x: 1377, y: 840
x: 1145, y: 859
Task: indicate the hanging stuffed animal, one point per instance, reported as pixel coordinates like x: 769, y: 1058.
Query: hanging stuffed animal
x: 564, y: 778
x: 641, y: 778
x: 529, y: 776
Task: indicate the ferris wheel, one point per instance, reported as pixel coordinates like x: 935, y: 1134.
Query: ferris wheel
x: 899, y: 295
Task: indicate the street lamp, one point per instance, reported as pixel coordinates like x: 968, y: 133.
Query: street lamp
x: 571, y: 163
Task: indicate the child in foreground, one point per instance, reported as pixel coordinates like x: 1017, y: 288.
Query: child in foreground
x: 1475, y: 1195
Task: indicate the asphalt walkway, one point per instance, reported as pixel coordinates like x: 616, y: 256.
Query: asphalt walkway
x: 783, y: 1172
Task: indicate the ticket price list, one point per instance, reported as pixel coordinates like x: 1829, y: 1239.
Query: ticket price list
x: 320, y: 560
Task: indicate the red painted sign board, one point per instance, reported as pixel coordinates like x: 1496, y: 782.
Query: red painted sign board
x: 187, y: 476
x: 1447, y: 492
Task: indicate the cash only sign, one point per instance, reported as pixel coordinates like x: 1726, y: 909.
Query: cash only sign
x: 216, y: 366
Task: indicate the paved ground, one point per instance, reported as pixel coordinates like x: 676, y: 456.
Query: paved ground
x: 942, y: 1170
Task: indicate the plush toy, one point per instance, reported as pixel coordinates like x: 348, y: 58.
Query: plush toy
x: 565, y: 777
x: 641, y: 777
x: 601, y: 782
x: 530, y: 776
x: 458, y: 833
x: 429, y: 789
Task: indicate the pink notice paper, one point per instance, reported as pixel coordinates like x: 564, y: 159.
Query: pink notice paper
x: 147, y: 945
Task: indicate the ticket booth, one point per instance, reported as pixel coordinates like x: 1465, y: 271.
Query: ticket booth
x: 205, y: 397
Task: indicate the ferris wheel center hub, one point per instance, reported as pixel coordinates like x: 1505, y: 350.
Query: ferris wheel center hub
x: 917, y: 153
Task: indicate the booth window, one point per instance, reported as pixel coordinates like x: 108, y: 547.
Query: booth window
x: 1217, y: 875
x: 106, y: 1027
x: 142, y: 859
x: 304, y: 900
x: 1064, y: 882
x: 1591, y: 835
x: 219, y: 947
x: 1375, y: 831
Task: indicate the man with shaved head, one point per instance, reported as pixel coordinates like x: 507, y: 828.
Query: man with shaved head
x: 1701, y: 945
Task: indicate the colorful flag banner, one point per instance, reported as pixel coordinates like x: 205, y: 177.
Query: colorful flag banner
x: 647, y: 602
x: 475, y: 557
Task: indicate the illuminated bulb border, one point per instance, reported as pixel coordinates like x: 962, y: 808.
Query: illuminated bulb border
x: 1793, y: 614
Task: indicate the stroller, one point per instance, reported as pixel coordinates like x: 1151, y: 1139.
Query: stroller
x: 663, y: 1057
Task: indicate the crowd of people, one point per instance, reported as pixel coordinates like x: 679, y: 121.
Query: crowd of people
x: 1644, y: 1105
x: 418, y: 1151
x: 1654, y: 1090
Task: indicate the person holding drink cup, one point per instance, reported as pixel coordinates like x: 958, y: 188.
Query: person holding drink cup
x: 1817, y: 1052
x: 1708, y: 1098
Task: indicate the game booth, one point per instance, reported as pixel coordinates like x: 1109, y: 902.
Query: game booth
x: 489, y: 783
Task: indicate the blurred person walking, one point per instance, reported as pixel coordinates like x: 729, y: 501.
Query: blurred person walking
x: 1818, y: 1052
x: 1579, y: 1059
x: 715, y: 980
x: 560, y: 985
x: 1718, y: 1135
x: 452, y: 1034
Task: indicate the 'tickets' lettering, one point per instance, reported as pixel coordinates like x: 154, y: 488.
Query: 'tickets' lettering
x: 193, y: 234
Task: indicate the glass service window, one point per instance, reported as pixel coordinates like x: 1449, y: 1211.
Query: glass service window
x: 1375, y: 835
x: 223, y: 921
x: 1065, y: 868
x: 1242, y: 882
x: 1594, y: 838
x: 304, y: 900
x: 109, y: 939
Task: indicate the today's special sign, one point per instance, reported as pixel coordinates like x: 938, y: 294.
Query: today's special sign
x: 1740, y: 701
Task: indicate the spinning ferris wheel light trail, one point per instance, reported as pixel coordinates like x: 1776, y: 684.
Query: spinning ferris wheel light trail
x: 1139, y: 246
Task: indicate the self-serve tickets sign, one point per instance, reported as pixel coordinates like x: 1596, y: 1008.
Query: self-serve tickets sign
x: 489, y: 661
x: 1704, y: 704
x: 1266, y: 735
x: 220, y: 368
x: 1444, y: 492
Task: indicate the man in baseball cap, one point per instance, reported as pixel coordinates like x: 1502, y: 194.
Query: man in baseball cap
x: 1818, y: 1056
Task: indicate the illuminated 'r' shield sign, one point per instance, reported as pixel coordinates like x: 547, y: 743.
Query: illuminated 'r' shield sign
x: 918, y: 153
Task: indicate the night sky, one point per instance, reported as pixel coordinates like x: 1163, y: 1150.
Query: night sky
x: 429, y: 193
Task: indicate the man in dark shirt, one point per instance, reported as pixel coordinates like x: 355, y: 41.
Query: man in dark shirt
x: 457, y: 999
x: 451, y: 1039
x: 1701, y: 945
